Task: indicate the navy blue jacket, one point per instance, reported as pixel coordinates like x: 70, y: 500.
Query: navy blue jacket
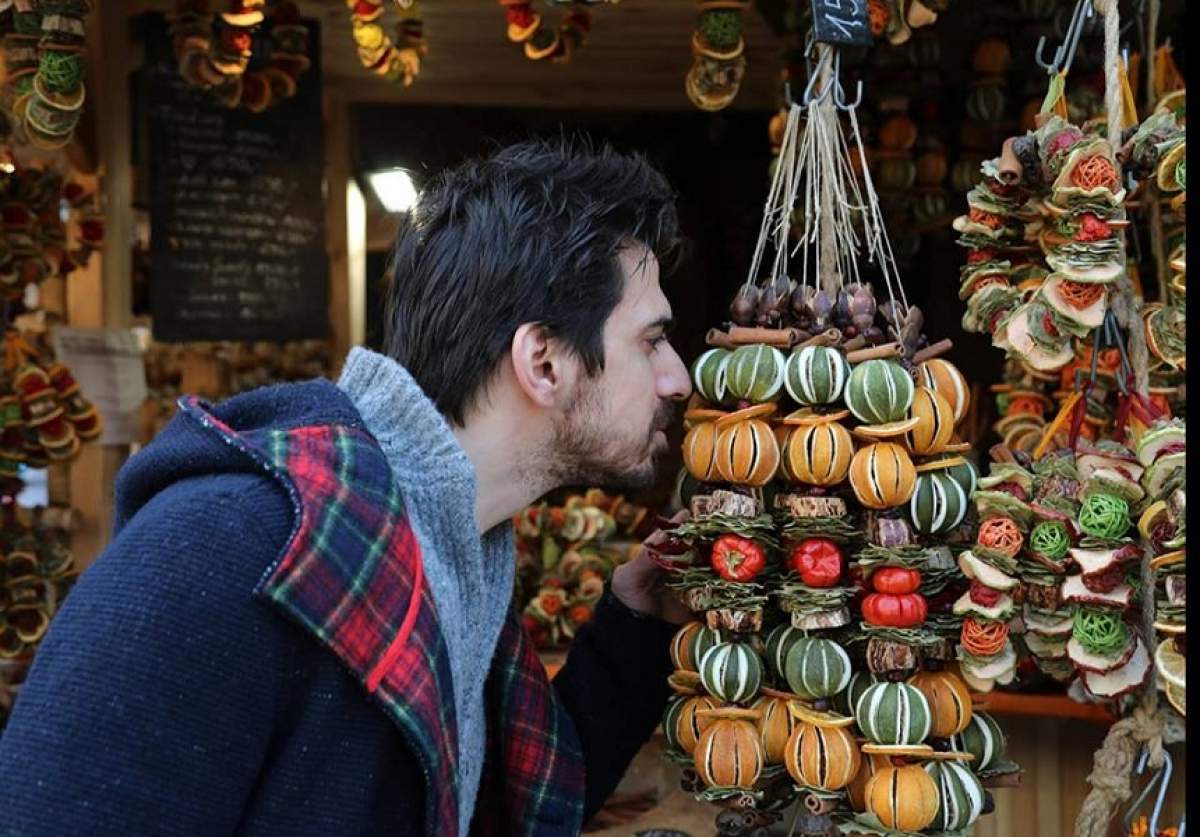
x: 167, y: 699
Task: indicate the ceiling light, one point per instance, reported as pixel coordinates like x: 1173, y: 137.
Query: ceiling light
x: 395, y: 189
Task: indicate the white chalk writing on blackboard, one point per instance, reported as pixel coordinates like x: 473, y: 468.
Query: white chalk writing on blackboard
x: 841, y: 22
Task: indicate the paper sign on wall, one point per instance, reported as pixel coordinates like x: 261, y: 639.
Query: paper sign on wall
x: 108, y: 364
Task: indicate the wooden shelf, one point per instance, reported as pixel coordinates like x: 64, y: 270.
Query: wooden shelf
x: 1045, y: 706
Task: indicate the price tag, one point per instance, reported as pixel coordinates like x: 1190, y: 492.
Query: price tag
x: 841, y: 22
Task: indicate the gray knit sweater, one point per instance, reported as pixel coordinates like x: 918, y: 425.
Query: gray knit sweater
x: 470, y: 576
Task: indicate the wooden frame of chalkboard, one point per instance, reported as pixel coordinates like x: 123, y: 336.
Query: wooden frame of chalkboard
x: 237, y: 206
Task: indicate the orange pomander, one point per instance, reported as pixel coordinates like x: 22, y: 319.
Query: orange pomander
x: 1026, y: 405
x: 991, y: 279
x: 983, y: 639
x: 1000, y: 534
x: 1080, y: 294
x: 1094, y: 172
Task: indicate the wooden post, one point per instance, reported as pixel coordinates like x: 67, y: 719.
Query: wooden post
x: 100, y: 294
x: 337, y: 176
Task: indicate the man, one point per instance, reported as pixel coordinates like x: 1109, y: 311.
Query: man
x: 303, y: 624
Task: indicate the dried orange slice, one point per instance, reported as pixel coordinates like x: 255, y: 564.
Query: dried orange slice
x: 685, y: 682
x: 757, y: 411
x: 808, y: 416
x: 885, y: 431
x: 730, y: 713
x: 915, y: 751
x: 804, y: 713
x: 940, y: 464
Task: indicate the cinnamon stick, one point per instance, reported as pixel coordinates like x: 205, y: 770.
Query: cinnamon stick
x: 886, y: 350
x: 719, y: 339
x: 781, y: 338
x: 817, y: 805
x: 929, y: 352
x: 1011, y: 170
x: 829, y: 337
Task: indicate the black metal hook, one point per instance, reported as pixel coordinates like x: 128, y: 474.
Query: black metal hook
x: 1064, y: 55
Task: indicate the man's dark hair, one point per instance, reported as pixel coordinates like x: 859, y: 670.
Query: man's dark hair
x: 529, y: 234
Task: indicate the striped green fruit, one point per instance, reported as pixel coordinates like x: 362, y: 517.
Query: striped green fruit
x: 779, y: 643
x: 670, y: 723
x: 708, y: 374
x: 938, y: 504
x: 699, y: 644
x: 879, y: 391
x: 816, y: 375
x: 755, y: 373
x: 893, y: 713
x: 960, y: 795
x: 847, y: 699
x: 964, y: 473
x: 817, y: 668
x: 731, y: 672
x: 983, y: 739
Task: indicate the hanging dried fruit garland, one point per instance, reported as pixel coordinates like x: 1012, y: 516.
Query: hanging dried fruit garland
x: 820, y: 548
x: 1059, y: 506
x: 35, y: 243
x: 44, y: 419
x: 565, y: 554
x: 215, y: 51
x: 44, y: 87
x: 718, y: 54
x: 548, y: 43
x: 396, y: 60
x: 37, y: 574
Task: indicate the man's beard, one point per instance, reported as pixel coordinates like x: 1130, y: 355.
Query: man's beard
x: 585, y: 454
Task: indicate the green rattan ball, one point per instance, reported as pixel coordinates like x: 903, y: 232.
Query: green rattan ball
x: 1104, y: 516
x: 1050, y: 539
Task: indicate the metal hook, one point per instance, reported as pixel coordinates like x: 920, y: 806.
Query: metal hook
x: 1138, y: 769
x: 1064, y: 55
x: 1165, y: 772
x: 824, y: 62
x: 839, y: 100
x: 1161, y: 778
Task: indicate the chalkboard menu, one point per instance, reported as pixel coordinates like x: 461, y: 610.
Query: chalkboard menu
x: 237, y: 212
x: 841, y: 22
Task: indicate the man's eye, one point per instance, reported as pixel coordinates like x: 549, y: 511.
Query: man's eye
x: 655, y: 342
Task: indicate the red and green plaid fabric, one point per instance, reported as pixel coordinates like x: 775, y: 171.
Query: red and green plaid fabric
x: 352, y: 575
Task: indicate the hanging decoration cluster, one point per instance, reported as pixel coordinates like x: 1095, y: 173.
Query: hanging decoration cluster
x: 38, y: 572
x: 44, y: 419
x: 227, y: 54
x: 396, y: 60
x: 1161, y: 450
x: 45, y: 416
x: 827, y: 504
x: 1055, y: 188
x: 718, y: 54
x: 44, y: 88
x: 565, y: 554
x: 542, y: 42
x: 35, y: 243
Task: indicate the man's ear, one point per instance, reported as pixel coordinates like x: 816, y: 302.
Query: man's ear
x: 539, y: 365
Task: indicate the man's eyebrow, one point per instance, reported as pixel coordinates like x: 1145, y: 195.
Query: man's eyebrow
x: 666, y: 324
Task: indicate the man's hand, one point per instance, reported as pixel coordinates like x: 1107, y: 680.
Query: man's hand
x: 637, y: 584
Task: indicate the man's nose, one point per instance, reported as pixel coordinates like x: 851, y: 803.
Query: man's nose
x: 675, y: 383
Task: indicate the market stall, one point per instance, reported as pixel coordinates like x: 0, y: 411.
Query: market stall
x: 936, y: 554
